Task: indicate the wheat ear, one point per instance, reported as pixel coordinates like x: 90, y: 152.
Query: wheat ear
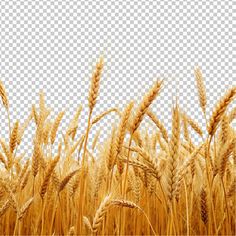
x: 174, y: 153
x: 36, y: 157
x: 149, y: 159
x: 71, y: 231
x: 35, y: 114
x: 144, y: 167
x: 7, y: 153
x: 121, y: 135
x: 110, y: 155
x: 225, y: 128
x: 13, y: 137
x: 93, y: 92
x: 48, y: 176
x: 24, y: 180
x: 232, y: 188
x: 21, y: 130
x: 201, y: 89
x: 227, y: 150
x: 4, y: 207
x: 144, y: 105
x: 99, y: 117
x: 122, y: 127
x: 65, y: 181
x: 100, y: 213
x: 159, y: 124
x: 185, y: 128
x: 2, y: 159
x: 25, y: 208
x: 129, y: 204
x: 55, y: 126
x: 232, y: 115
x: 219, y: 110
x: 203, y: 204
x: 72, y: 128
x: 193, y: 124
x: 3, y: 95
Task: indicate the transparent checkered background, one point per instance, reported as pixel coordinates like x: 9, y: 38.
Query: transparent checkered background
x: 53, y: 45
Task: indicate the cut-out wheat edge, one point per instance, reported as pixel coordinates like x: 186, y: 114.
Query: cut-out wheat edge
x: 133, y: 183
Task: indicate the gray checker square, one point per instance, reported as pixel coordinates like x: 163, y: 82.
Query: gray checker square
x: 53, y: 46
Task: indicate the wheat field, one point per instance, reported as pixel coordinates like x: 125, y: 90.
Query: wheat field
x: 135, y: 183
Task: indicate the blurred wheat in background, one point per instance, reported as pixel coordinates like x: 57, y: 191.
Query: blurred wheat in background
x: 135, y: 183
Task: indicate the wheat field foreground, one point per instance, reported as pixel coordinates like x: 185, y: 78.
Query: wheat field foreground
x: 138, y: 183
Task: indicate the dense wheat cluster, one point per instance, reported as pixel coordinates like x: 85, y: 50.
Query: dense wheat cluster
x: 138, y: 183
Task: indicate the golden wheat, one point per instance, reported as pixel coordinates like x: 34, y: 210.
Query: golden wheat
x: 171, y: 185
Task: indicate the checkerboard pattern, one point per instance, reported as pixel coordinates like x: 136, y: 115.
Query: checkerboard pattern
x: 53, y: 45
